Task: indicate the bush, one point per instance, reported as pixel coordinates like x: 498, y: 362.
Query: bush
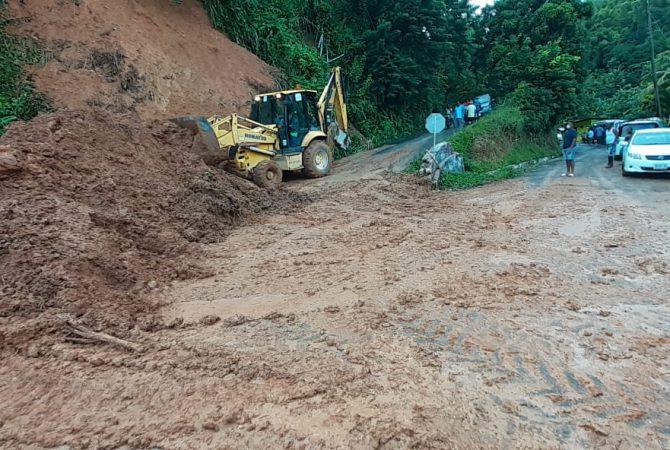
x: 493, y: 145
x: 18, y: 98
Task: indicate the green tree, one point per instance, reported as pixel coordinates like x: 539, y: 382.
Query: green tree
x: 531, y: 49
x: 617, y: 58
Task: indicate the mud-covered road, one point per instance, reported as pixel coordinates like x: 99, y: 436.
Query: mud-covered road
x: 528, y: 313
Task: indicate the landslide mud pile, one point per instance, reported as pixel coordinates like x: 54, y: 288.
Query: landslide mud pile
x: 160, y: 58
x: 99, y: 210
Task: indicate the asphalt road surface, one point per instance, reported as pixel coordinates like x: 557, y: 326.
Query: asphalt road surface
x: 590, y: 163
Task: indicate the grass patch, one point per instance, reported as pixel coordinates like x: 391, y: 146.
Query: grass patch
x: 466, y: 180
x: 414, y: 166
x: 19, y: 100
x: 491, y: 148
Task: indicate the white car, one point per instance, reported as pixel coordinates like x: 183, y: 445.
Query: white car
x: 647, y: 152
x: 627, y: 129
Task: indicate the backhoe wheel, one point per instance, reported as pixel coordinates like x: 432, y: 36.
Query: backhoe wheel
x: 267, y: 175
x: 316, y: 160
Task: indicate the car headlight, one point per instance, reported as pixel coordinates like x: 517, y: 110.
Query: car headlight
x: 634, y: 156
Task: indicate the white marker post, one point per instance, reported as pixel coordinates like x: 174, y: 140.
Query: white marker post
x: 436, y: 123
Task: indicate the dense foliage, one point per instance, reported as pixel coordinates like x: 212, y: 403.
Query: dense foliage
x: 549, y: 60
x: 18, y: 98
x: 530, y: 51
x: 618, y: 60
x: 406, y: 58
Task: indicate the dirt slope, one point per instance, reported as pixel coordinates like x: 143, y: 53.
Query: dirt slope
x: 98, y: 211
x: 101, y: 204
x: 153, y: 56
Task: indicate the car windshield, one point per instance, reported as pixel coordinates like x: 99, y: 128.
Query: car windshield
x: 652, y: 139
x: 633, y: 127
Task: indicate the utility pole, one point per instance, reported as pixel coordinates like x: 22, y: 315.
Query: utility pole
x: 654, y: 76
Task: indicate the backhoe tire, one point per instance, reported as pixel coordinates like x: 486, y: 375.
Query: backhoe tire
x: 267, y: 175
x: 316, y: 160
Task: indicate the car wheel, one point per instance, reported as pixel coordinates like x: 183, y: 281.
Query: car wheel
x: 624, y: 172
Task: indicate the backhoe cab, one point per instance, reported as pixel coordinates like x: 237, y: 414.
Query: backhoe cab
x: 287, y: 131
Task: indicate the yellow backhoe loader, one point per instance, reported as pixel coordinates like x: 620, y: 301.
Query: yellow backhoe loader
x: 287, y: 131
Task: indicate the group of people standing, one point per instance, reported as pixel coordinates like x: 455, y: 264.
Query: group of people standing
x: 595, y: 135
x: 602, y: 135
x: 465, y: 113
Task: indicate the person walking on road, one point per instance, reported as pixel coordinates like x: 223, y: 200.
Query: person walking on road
x: 610, y: 138
x: 569, y: 149
x: 451, y: 123
x: 459, y: 116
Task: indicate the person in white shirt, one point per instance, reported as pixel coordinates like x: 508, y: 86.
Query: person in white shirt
x: 472, y: 113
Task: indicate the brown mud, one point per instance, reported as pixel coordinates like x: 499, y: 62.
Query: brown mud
x: 383, y: 315
x: 526, y: 314
x: 97, y: 211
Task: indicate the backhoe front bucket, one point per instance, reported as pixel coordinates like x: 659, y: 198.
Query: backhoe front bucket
x: 202, y: 128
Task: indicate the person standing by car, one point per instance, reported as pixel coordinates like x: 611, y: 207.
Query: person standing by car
x: 478, y: 109
x: 610, y: 139
x: 569, y: 149
x: 590, y: 136
x: 602, y: 135
x: 472, y: 113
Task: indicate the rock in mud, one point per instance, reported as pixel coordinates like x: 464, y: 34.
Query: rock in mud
x: 209, y: 320
x: 8, y: 162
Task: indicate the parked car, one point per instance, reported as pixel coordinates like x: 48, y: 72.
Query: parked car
x: 648, y: 151
x: 485, y: 102
x: 615, y: 124
x: 627, y: 129
x: 609, y: 123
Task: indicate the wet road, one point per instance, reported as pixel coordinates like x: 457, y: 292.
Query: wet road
x: 590, y: 169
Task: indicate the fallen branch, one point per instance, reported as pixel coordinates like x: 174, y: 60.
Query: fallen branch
x: 77, y: 340
x: 84, y: 334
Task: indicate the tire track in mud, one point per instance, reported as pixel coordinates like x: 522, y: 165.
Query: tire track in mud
x: 539, y: 387
x: 487, y: 314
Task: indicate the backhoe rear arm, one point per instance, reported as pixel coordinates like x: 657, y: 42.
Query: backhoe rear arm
x: 332, y: 100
